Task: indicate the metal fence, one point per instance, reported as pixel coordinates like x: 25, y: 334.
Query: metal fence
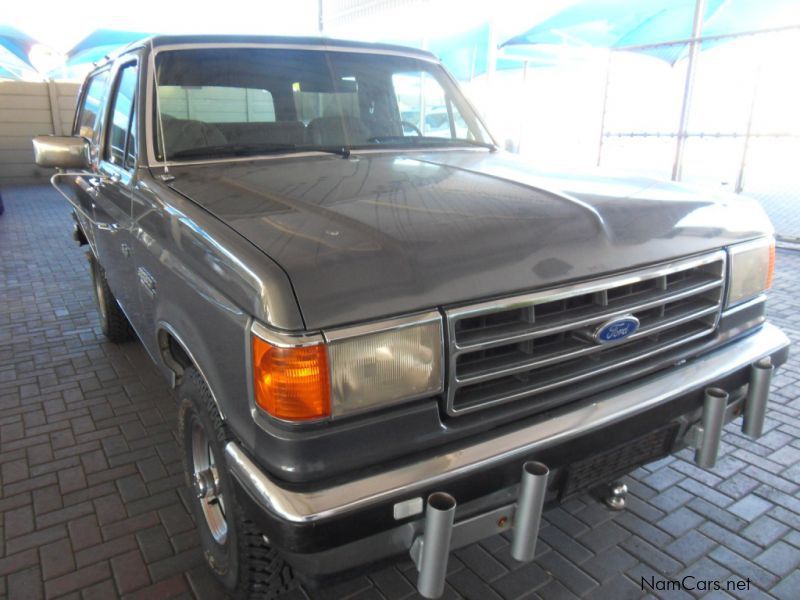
x: 743, y: 126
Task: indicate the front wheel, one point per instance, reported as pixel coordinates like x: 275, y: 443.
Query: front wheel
x: 234, y: 549
x: 113, y: 322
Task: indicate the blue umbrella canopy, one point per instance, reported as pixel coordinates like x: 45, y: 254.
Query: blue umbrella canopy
x: 101, y: 43
x: 625, y: 24
x: 17, y: 43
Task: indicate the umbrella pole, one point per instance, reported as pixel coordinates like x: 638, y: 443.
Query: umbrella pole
x: 694, y: 49
x: 605, y: 106
x: 740, y: 177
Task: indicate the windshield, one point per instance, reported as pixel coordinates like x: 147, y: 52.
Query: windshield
x: 217, y: 102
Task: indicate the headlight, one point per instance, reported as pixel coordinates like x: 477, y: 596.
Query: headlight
x: 752, y: 266
x: 349, y: 369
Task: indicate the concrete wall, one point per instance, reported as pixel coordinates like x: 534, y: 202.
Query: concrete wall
x: 28, y: 109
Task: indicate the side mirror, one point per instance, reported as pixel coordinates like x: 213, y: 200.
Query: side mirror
x: 511, y: 146
x: 63, y: 152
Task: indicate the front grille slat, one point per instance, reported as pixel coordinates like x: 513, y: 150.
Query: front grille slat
x: 501, y: 335
x: 526, y: 346
x: 495, y: 369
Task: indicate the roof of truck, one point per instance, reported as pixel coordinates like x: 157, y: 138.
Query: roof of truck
x: 319, y: 42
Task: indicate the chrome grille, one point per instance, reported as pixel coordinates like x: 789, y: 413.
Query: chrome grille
x: 516, y: 348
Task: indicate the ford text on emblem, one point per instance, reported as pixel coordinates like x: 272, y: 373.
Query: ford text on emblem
x: 616, y: 329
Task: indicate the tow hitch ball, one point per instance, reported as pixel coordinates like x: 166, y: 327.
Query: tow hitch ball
x: 436, y: 542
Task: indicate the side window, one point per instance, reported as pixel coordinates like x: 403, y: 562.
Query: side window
x: 87, y: 124
x: 121, y: 117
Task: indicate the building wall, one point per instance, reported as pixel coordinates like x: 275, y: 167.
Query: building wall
x: 28, y: 109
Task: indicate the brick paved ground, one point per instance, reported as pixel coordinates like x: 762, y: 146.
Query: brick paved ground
x: 91, y: 498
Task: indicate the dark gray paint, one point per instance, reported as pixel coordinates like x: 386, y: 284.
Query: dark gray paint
x: 388, y: 233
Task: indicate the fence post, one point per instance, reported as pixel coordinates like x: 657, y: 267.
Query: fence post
x: 605, y: 108
x: 694, y: 49
x: 748, y: 132
x: 55, y: 110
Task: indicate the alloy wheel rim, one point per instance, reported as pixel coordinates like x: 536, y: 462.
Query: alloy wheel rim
x: 206, y: 484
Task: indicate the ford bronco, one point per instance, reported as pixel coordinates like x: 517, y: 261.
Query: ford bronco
x: 388, y: 336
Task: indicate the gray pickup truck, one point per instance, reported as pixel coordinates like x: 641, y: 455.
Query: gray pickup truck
x: 388, y: 338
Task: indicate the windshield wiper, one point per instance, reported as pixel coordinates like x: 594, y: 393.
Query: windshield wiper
x: 342, y: 151
x: 255, y: 149
x: 427, y: 140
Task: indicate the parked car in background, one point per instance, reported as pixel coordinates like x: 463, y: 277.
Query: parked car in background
x: 390, y: 340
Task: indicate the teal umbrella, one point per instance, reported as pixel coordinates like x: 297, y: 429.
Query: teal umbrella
x: 17, y: 43
x: 642, y: 24
x: 101, y: 43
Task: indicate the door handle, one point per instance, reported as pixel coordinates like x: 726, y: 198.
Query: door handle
x: 126, y: 250
x: 110, y: 227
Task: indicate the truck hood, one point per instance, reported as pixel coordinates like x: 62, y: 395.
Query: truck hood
x: 380, y: 234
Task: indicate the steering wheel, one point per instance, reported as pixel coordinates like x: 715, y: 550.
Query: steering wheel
x: 416, y: 129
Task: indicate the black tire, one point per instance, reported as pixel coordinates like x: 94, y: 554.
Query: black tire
x: 245, y: 565
x: 114, y: 323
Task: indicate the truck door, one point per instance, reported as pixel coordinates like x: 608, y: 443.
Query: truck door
x: 88, y: 124
x: 112, y: 209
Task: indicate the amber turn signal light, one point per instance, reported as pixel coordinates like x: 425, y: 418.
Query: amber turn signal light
x: 771, y: 267
x: 291, y: 383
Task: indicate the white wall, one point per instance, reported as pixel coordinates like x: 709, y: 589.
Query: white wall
x: 28, y: 109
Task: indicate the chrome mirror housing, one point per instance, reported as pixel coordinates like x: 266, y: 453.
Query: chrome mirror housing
x: 63, y: 152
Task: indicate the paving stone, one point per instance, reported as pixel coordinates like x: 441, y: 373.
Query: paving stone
x: 749, y: 507
x: 608, y: 564
x: 780, y: 558
x: 744, y: 568
x: 619, y: 588
x: 130, y: 572
x: 604, y: 536
x: 765, y: 530
x: 522, y: 581
x: 671, y: 499
x: 690, y: 547
x: 680, y: 521
x: 567, y: 572
x: 787, y: 588
x: 25, y: 584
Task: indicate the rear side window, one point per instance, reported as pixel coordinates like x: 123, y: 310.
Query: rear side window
x: 90, y: 109
x: 120, y: 144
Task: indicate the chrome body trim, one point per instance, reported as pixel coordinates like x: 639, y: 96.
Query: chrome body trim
x: 343, y: 333
x: 585, y: 287
x: 285, y: 339
x: 566, y: 424
x: 761, y: 298
x: 456, y: 349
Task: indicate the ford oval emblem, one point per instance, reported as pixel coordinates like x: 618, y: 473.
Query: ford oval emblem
x: 616, y: 329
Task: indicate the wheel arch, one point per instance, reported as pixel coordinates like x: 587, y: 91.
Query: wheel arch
x: 177, y: 357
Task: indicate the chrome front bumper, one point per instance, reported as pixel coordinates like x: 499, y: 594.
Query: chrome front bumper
x: 402, y: 482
